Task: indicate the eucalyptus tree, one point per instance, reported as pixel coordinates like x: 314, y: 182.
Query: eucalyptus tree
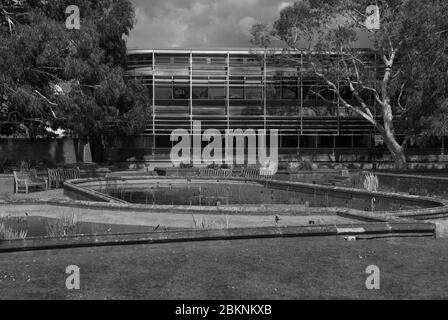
x: 328, y: 35
x: 53, y: 77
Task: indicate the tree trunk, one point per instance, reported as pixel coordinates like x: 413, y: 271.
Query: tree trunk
x: 396, y: 150
x: 81, y: 147
x: 394, y: 147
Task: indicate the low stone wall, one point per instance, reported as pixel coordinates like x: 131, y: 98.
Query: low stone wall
x: 84, y: 193
x: 177, y: 172
x: 49, y: 151
x: 371, y: 229
x: 354, y: 198
x: 414, y: 184
x: 6, y: 184
x: 311, y: 195
x: 315, y: 176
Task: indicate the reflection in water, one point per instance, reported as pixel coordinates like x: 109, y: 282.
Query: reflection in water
x: 206, y: 194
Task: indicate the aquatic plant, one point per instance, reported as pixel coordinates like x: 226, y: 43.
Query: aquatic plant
x: 371, y: 182
x: 205, y: 224
x: 64, y: 226
x: 11, y: 228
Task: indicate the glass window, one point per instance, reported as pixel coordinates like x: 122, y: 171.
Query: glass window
x: 253, y: 93
x: 273, y: 92
x: 181, y: 92
x: 217, y: 93
x: 289, y: 141
x: 164, y: 92
x: 236, y: 93
x: 200, y: 93
x: 163, y: 141
x: 289, y: 92
x: 308, y: 141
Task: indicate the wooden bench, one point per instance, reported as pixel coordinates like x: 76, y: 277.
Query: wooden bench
x: 57, y: 176
x: 250, y: 173
x: 24, y: 180
x: 257, y: 173
x: 209, y: 172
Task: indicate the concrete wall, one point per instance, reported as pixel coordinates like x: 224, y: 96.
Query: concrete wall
x: 53, y: 151
x: 6, y: 184
x: 414, y: 184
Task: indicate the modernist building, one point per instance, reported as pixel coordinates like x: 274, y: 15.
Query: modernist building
x: 240, y: 89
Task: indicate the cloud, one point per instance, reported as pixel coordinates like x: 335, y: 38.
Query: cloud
x: 199, y: 23
x: 246, y: 24
x: 202, y: 23
x: 283, y: 5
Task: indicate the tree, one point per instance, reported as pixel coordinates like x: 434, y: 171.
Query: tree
x: 52, y: 77
x: 319, y: 29
x: 425, y: 72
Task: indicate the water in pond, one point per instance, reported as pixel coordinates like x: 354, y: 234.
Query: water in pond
x: 242, y: 194
x: 207, y: 195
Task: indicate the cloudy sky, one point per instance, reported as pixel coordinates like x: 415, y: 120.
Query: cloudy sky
x: 199, y: 23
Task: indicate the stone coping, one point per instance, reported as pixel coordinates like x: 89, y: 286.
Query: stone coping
x: 370, y: 229
x: 409, y: 176
x: 223, y: 210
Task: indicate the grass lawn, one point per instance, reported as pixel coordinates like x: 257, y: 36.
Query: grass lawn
x: 306, y: 268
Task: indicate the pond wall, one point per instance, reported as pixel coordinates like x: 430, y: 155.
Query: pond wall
x: 310, y: 194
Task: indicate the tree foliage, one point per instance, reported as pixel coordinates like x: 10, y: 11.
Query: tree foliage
x: 52, y: 77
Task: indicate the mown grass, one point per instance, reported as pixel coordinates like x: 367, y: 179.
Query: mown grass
x: 292, y: 268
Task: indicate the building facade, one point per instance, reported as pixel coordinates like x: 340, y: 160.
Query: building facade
x: 241, y: 89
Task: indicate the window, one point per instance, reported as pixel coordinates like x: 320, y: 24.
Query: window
x: 289, y: 88
x: 236, y: 93
x: 181, y: 92
x: 326, y: 142
x: 308, y: 142
x: 164, y: 92
x: 289, y: 141
x: 289, y: 92
x: 163, y: 141
x: 273, y: 92
x: 253, y: 93
x: 200, y: 93
x: 217, y: 93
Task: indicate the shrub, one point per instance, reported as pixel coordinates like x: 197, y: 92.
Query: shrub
x: 302, y: 165
x: 186, y: 165
x: 283, y: 166
x: 213, y: 166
